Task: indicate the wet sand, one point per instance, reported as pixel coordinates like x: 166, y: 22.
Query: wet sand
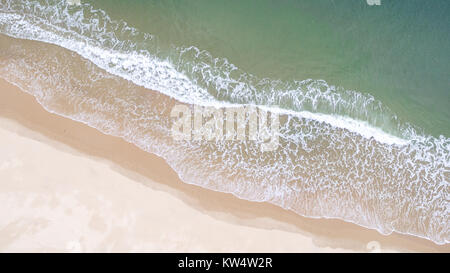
x: 68, y: 187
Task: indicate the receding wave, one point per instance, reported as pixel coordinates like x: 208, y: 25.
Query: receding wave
x: 342, y: 154
x: 191, y: 75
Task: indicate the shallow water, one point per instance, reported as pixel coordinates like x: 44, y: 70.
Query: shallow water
x: 363, y: 137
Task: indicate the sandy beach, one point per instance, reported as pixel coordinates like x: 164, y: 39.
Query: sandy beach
x: 67, y: 187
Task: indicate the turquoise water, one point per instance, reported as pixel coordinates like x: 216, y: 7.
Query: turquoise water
x: 362, y: 92
x: 398, y: 52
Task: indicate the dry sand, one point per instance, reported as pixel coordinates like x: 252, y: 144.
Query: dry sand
x: 67, y: 187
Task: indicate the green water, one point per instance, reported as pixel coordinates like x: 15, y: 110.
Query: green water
x: 399, y: 52
x: 84, y: 63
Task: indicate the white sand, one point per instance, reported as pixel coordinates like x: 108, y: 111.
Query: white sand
x: 65, y: 186
x: 56, y: 199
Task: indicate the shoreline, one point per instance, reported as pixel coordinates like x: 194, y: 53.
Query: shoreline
x: 154, y: 173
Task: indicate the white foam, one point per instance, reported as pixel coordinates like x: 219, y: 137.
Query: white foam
x: 360, y: 127
x: 420, y: 167
x: 148, y: 71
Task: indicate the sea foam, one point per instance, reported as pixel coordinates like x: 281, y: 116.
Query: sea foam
x: 334, y: 160
x: 66, y: 26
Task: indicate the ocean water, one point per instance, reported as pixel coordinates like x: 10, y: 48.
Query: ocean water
x: 363, y: 93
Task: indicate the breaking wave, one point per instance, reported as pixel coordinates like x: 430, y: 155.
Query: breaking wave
x: 342, y: 154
